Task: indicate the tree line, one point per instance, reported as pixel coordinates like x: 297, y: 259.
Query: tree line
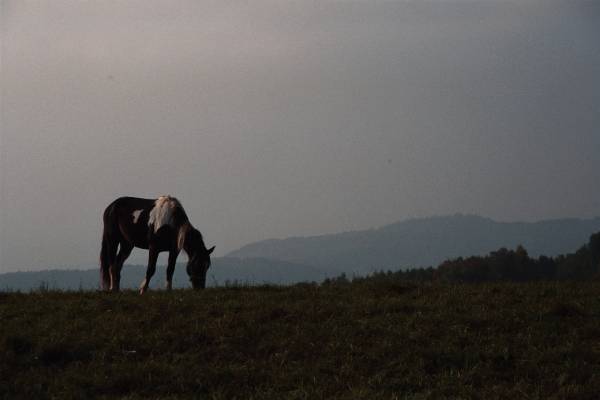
x: 502, y: 265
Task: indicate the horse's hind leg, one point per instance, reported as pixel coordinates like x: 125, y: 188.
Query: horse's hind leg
x: 108, y: 258
x: 152, y: 257
x: 115, y: 269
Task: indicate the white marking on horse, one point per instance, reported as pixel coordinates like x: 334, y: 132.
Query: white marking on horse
x: 162, y: 212
x: 136, y: 215
x: 144, y: 286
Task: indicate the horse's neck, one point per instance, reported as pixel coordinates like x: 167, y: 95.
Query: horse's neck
x: 193, y: 242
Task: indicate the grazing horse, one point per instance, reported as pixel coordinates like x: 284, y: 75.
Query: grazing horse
x: 157, y: 225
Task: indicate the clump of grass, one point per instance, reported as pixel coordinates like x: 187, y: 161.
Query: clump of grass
x: 566, y: 309
x: 18, y: 344
x: 60, y: 354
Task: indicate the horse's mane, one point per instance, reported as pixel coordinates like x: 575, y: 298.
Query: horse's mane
x: 163, y: 212
x: 182, y: 234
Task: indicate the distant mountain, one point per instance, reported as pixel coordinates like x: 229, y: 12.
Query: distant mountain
x: 423, y: 242
x: 223, y: 270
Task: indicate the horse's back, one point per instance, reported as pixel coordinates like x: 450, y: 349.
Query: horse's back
x: 140, y: 219
x: 128, y: 201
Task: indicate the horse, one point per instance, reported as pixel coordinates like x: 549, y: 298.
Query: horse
x: 156, y: 225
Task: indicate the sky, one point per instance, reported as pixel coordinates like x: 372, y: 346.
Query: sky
x: 270, y: 119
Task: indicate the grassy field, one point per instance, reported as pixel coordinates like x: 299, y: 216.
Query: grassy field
x: 360, y: 340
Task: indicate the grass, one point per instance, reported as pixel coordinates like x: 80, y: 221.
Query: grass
x: 352, y: 341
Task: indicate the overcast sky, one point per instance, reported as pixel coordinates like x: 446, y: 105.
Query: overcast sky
x: 275, y: 119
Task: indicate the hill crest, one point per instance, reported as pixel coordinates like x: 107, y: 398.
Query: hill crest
x: 418, y: 242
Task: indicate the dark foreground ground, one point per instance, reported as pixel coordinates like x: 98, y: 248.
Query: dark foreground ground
x: 360, y: 340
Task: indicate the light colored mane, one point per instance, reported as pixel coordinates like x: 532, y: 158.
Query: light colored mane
x: 162, y: 212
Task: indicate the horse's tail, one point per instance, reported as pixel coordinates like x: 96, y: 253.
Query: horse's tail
x: 108, y: 250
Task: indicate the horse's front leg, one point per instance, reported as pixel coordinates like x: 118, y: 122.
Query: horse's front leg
x: 171, y: 268
x: 152, y: 257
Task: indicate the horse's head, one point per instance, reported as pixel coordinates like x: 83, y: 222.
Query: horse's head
x: 198, y: 265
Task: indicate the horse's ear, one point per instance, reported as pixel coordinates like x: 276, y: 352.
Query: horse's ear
x: 210, y: 250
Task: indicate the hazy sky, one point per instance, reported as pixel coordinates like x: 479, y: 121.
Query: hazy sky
x: 272, y: 119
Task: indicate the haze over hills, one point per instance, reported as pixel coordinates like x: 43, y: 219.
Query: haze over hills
x: 424, y: 242
x: 412, y: 243
x: 222, y: 271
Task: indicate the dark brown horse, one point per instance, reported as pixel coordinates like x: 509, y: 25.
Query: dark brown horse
x: 157, y: 225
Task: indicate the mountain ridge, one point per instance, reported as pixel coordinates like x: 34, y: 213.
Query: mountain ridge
x: 420, y: 242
